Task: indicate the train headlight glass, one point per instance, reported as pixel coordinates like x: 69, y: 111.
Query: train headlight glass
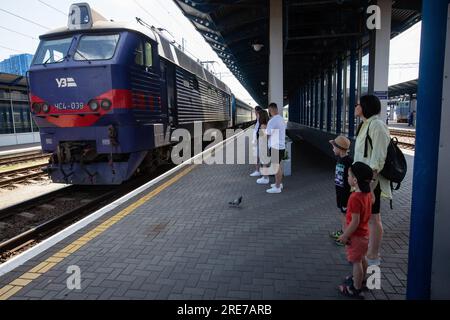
x: 45, y: 108
x: 106, y: 104
x: 93, y: 104
x: 36, y: 107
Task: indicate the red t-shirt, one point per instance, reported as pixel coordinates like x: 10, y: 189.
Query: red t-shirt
x: 360, y: 203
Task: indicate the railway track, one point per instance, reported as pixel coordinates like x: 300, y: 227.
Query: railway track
x: 403, y: 133
x: 407, y: 145
x: 406, y: 138
x: 23, y: 157
x: 28, y: 223
x: 10, y: 177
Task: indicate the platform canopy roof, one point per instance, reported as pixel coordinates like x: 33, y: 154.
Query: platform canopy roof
x: 12, y: 80
x: 400, y: 89
x: 316, y: 33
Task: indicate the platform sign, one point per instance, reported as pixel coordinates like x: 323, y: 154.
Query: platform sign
x: 382, y: 95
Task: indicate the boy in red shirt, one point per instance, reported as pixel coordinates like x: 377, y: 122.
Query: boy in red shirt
x: 356, y: 234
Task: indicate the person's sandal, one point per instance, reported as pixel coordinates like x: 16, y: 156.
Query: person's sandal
x: 351, y: 291
x: 349, y: 282
x: 336, y: 234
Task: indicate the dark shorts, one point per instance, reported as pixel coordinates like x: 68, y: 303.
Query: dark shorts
x: 342, y: 196
x: 273, y: 152
x: 376, y: 205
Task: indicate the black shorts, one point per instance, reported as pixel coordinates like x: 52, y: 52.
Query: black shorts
x: 342, y: 196
x: 273, y: 152
x: 376, y: 205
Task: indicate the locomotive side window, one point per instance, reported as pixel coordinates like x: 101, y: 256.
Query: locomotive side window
x: 52, y: 51
x: 195, y: 83
x: 100, y: 47
x: 139, y: 51
x: 144, y: 54
x: 148, y: 55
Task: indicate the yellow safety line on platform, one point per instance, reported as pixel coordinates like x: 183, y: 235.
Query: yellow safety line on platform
x: 15, y: 286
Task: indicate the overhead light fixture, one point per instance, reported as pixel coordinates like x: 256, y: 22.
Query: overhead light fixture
x: 257, y: 46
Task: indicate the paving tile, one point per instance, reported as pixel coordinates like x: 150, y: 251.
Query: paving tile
x: 187, y: 243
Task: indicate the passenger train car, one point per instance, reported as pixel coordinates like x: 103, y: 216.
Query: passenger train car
x: 402, y: 110
x: 107, y: 95
x: 243, y: 114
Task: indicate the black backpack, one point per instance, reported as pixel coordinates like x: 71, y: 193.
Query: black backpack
x: 395, y: 166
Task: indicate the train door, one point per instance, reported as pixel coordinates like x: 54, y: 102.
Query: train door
x: 233, y: 111
x: 171, y: 96
x: 164, y: 95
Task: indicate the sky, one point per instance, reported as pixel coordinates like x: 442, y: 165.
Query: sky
x: 21, y: 36
x: 404, y: 55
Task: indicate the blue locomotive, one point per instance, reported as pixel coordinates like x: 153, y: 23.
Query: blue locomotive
x: 105, y: 95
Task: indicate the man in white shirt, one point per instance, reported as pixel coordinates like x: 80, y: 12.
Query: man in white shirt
x: 276, y: 131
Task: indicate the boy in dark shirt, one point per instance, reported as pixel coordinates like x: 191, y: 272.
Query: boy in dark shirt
x: 356, y: 233
x: 341, y: 147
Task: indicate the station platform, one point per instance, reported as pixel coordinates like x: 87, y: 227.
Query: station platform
x: 10, y: 150
x: 181, y: 240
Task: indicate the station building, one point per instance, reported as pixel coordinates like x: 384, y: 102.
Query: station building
x: 17, y: 126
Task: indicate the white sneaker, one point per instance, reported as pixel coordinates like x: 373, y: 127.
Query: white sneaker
x: 263, y: 180
x: 274, y: 185
x: 256, y: 174
x: 274, y: 190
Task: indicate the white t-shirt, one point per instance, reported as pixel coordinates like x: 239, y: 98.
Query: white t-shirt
x: 276, y: 130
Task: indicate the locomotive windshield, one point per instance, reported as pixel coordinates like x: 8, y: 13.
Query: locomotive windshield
x: 52, y: 51
x: 98, y: 47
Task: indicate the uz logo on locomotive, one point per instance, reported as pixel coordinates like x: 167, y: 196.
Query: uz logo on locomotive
x: 66, y: 83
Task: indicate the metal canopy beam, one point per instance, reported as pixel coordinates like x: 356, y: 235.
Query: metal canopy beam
x: 309, y: 45
x: 326, y: 36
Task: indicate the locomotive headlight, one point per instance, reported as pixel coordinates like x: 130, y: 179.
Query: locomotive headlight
x: 93, y: 104
x: 45, y: 107
x: 106, y: 104
x: 36, y: 107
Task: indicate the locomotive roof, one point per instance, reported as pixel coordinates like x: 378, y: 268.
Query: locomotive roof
x: 166, y: 48
x: 243, y: 104
x: 102, y: 25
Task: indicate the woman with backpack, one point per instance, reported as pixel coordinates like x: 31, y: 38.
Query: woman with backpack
x: 373, y: 139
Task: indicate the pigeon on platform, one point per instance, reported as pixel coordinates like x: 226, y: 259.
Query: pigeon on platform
x: 235, y: 202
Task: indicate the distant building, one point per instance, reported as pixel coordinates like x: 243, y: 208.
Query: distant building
x: 16, y: 124
x: 16, y: 64
x: 364, y: 79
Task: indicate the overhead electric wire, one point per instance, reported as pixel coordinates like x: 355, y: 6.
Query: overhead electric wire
x: 22, y: 34
x: 225, y: 74
x: 7, y: 48
x: 162, y: 6
x: 25, y: 19
x: 175, y: 41
x: 170, y: 14
x: 52, y: 7
x: 146, y: 11
x: 160, y: 29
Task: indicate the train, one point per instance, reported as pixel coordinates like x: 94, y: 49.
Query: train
x: 401, y: 109
x: 107, y: 95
